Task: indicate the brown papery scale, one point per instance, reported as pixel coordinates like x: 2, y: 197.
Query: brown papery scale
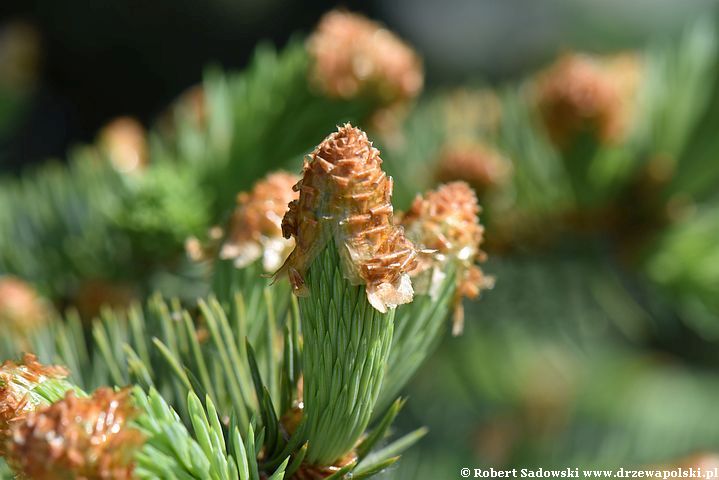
x: 346, y: 197
x: 16, y: 380
x: 80, y: 438
x: 445, y: 223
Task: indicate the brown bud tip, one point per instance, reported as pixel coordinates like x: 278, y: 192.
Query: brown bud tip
x: 445, y: 223
x: 478, y: 164
x: 354, y: 56
x: 581, y: 93
x: 17, y: 380
x: 345, y: 196
x: 256, y: 226
x: 77, y: 438
x: 123, y: 140
x: 21, y: 308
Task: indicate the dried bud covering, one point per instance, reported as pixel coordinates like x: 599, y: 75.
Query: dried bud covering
x: 345, y: 196
x: 580, y: 93
x: 256, y: 226
x: 80, y: 438
x: 476, y: 163
x: 445, y: 222
x: 353, y: 56
x: 16, y: 383
x: 21, y: 308
x: 123, y: 140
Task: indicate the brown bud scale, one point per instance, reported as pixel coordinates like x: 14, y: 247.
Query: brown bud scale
x: 16, y: 381
x: 345, y: 196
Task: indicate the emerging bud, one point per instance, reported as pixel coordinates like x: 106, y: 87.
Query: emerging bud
x: 478, y: 164
x: 124, y: 142
x: 345, y: 197
x: 445, y: 223
x: 355, y: 56
x: 581, y: 93
x: 21, y: 308
x: 17, y: 395
x: 78, y: 438
x: 256, y: 226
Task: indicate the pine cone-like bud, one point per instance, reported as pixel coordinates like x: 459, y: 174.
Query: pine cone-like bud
x: 480, y: 165
x: 80, y: 438
x: 354, y: 56
x: 21, y: 308
x: 445, y: 223
x: 17, y: 382
x: 345, y: 197
x: 580, y: 93
x: 256, y: 226
x: 124, y: 141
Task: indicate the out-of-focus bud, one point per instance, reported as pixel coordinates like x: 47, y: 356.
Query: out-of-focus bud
x: 95, y: 294
x: 478, y: 164
x: 256, y: 227
x: 193, y: 103
x: 445, y: 223
x: 345, y: 197
x: 353, y: 56
x: 18, y: 397
x: 22, y: 310
x: 206, y: 249
x: 19, y: 55
x: 124, y: 142
x: 75, y: 437
x: 585, y: 94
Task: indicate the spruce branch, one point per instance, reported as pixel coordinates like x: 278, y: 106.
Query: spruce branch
x: 350, y: 267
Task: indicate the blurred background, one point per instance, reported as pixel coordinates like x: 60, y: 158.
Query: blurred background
x: 77, y: 64
x: 578, y: 356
